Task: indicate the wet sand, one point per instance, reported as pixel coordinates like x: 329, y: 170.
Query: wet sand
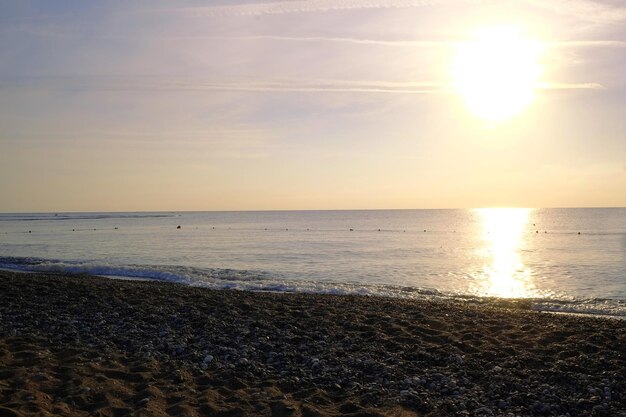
x: 83, y: 346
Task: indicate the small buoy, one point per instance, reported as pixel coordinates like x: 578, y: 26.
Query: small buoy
x: 73, y: 230
x: 352, y: 230
x: 213, y: 227
x: 379, y: 230
x: 536, y: 231
x: 178, y: 227
x: 286, y: 229
x: 29, y: 231
x: 545, y: 231
x: 424, y: 230
x: 116, y: 228
x: 578, y: 232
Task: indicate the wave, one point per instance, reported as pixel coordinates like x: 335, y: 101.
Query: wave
x: 251, y: 280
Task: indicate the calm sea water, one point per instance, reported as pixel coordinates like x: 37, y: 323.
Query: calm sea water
x: 561, y: 259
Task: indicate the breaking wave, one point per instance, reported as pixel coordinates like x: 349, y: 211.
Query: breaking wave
x: 251, y: 280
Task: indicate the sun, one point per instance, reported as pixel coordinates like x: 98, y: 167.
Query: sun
x: 497, y: 73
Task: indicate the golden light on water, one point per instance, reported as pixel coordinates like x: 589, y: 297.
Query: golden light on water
x: 504, y: 274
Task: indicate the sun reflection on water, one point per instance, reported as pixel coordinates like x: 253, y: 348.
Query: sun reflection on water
x: 504, y: 274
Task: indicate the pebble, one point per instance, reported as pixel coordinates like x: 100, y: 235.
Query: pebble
x: 389, y: 371
x: 484, y: 411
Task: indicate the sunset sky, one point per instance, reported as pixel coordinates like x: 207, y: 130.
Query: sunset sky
x: 311, y: 104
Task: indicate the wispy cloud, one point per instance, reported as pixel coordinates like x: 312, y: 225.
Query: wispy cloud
x: 582, y: 9
x: 300, y: 6
x: 292, y: 86
x: 416, y: 43
x: 338, y: 39
x: 589, y: 10
x: 587, y: 43
x: 599, y: 43
x: 159, y: 84
x: 571, y: 86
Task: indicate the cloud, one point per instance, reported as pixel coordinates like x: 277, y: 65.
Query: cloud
x: 300, y: 6
x: 587, y: 43
x: 290, y: 86
x: 571, y: 86
x: 588, y: 10
x: 399, y: 42
x: 412, y: 42
x: 160, y: 84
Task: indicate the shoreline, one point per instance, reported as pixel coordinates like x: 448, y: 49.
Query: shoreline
x: 82, y: 345
x: 574, y: 307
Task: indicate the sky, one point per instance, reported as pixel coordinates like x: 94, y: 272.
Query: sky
x: 311, y: 104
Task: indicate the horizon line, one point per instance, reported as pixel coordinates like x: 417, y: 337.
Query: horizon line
x: 286, y: 210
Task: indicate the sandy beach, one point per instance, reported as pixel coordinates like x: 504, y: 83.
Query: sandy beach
x: 83, y: 346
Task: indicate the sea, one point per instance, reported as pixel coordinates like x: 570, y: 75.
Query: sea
x: 570, y: 260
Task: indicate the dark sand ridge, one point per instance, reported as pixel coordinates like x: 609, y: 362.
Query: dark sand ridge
x: 77, y: 345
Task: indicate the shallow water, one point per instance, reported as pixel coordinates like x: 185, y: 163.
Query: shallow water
x: 561, y: 259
